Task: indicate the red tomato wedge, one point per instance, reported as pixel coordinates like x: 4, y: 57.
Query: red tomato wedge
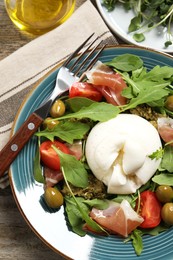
x: 48, y: 155
x: 150, y: 209
x: 84, y: 89
x: 109, y: 83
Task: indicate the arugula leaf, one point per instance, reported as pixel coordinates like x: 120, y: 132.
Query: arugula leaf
x: 126, y: 62
x: 75, y: 171
x: 167, y: 161
x: 155, y: 231
x: 136, y: 237
x: 38, y: 176
x: 157, y: 103
x: 74, y: 215
x: 98, y: 111
x: 77, y: 103
x: 67, y: 131
x: 97, y: 203
x: 139, y: 73
x: 163, y: 179
x: 149, y: 94
x: 159, y: 73
x: 120, y: 198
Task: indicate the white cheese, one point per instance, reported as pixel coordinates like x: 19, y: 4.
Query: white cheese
x: 118, y: 151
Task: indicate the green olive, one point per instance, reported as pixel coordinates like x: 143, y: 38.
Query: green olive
x: 169, y: 103
x: 50, y: 123
x: 57, y: 109
x: 53, y: 197
x: 164, y: 193
x: 167, y: 213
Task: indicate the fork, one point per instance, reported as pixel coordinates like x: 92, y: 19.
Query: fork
x: 69, y: 72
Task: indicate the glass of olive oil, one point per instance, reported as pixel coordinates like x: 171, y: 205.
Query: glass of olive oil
x: 39, y: 16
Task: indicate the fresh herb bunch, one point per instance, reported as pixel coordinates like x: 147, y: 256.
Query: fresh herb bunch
x: 149, y: 14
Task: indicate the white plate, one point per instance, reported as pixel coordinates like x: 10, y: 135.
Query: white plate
x: 118, y: 21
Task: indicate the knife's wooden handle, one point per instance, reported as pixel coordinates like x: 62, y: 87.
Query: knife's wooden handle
x: 17, y: 142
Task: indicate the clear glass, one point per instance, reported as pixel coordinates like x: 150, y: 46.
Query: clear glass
x: 39, y: 16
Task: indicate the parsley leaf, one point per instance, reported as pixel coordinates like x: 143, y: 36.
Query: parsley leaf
x: 157, y: 154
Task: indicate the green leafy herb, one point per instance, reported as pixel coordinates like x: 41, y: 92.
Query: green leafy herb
x: 77, y: 103
x: 146, y: 95
x: 155, y: 231
x: 38, y: 176
x: 157, y: 154
x: 135, y: 24
x: 147, y: 87
x: 163, y: 179
x: 109, y: 4
x: 139, y: 37
x: 126, y: 62
x: 167, y: 161
x: 120, y: 198
x: 136, y: 237
x: 97, y: 203
x: 74, y: 215
x: 67, y: 131
x: 98, y: 111
x: 75, y: 171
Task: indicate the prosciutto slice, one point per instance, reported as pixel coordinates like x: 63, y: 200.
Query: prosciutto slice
x: 165, y: 129
x: 117, y: 218
x: 52, y: 177
x: 109, y: 83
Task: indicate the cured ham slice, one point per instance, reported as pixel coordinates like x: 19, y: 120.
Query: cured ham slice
x: 165, y: 129
x: 52, y: 177
x: 117, y: 218
x: 76, y: 149
x: 109, y: 83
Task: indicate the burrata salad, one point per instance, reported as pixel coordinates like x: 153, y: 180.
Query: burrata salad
x: 105, y: 153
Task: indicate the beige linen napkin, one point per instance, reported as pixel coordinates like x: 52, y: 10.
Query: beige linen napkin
x: 22, y: 69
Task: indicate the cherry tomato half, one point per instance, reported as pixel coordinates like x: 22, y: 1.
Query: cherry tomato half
x: 48, y: 155
x: 84, y: 89
x: 150, y: 209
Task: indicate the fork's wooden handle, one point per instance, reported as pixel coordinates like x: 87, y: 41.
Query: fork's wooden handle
x: 17, y: 142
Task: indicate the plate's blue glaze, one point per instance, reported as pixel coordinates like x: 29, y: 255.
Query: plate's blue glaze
x: 50, y: 225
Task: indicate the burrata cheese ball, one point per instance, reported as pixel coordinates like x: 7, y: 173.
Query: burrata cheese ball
x: 118, y: 152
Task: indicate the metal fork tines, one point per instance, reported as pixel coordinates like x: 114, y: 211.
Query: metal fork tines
x: 72, y: 69
x: 86, y: 59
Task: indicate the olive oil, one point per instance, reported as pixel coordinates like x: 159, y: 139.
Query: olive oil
x: 39, y: 16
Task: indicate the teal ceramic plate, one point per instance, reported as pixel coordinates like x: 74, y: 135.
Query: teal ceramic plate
x: 49, y: 225
x: 118, y: 21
